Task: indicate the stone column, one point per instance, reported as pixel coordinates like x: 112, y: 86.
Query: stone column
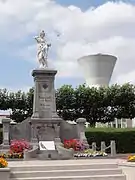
x: 113, y: 148
x: 81, y: 130
x: 103, y: 146
x: 34, y: 139
x: 44, y: 105
x: 94, y: 146
x: 6, y: 131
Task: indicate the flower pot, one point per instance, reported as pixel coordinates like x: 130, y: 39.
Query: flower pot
x: 4, y: 173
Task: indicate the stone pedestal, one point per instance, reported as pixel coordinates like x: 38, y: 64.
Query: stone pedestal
x: 113, y: 148
x: 6, y: 130
x: 81, y: 131
x: 44, y: 121
x: 103, y: 146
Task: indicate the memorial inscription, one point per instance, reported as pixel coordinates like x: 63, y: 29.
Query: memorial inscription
x: 45, y: 98
x: 45, y: 103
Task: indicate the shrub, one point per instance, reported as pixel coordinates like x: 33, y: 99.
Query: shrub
x: 124, y: 138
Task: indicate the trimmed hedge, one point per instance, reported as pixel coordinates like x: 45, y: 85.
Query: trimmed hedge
x: 124, y: 138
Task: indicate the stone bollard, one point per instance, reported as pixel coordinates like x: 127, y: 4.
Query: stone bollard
x: 6, y: 132
x: 103, y: 146
x: 81, y: 131
x: 94, y: 146
x: 113, y: 148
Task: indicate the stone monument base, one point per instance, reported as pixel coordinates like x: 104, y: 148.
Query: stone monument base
x: 48, y: 155
x: 58, y: 154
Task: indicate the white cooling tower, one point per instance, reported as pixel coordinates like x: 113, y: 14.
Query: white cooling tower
x: 97, y: 69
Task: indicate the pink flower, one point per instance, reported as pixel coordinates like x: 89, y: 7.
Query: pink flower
x: 18, y: 146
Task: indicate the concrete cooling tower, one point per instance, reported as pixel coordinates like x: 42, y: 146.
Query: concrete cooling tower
x: 97, y: 69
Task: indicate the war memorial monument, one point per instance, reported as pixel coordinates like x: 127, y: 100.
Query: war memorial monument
x: 45, y: 130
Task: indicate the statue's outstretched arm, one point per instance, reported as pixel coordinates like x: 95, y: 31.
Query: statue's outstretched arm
x: 49, y: 45
x: 36, y: 38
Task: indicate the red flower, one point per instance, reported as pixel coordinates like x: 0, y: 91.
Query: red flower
x: 73, y: 143
x: 18, y: 146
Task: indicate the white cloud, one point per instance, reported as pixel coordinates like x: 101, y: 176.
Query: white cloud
x: 108, y: 28
x: 130, y: 78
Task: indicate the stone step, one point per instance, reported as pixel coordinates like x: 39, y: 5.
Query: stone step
x: 54, y: 173
x: 63, y: 167
x: 97, y: 177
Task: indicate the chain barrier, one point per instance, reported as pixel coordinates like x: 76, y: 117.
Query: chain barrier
x: 108, y: 147
x: 90, y: 146
x: 99, y: 148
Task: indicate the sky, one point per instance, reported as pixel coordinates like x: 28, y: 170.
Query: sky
x: 74, y: 28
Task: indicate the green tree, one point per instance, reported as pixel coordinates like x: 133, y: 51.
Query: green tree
x: 21, y: 105
x: 124, y: 101
x: 4, y: 99
x: 91, y: 104
x: 96, y: 105
x: 65, y: 102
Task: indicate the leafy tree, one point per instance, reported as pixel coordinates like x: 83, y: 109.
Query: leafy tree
x: 4, y: 99
x: 65, y: 102
x: 18, y: 106
x: 20, y: 103
x: 90, y: 104
x: 96, y: 105
x: 30, y: 97
x: 124, y: 101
